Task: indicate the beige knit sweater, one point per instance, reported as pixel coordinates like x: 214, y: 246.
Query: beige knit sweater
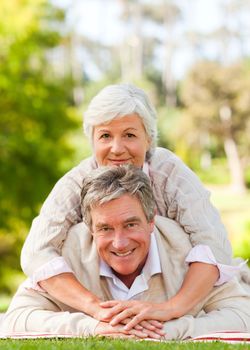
x: 226, y: 308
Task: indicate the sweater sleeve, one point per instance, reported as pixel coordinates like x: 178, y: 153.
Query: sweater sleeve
x: 181, y: 196
x: 31, y: 311
x: 59, y: 212
x: 226, y: 309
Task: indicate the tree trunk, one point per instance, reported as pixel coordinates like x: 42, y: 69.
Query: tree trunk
x: 235, y: 166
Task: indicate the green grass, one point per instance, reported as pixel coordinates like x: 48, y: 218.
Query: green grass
x: 108, y: 344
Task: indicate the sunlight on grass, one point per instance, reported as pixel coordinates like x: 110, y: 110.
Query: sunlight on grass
x: 108, y: 344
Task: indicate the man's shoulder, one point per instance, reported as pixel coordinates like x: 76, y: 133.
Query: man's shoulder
x: 170, y: 233
x: 79, y: 238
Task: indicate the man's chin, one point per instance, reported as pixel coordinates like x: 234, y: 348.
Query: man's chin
x: 120, y: 272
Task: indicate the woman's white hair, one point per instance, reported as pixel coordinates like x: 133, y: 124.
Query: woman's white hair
x: 119, y: 100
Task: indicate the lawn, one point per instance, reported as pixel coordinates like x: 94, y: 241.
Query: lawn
x: 107, y: 344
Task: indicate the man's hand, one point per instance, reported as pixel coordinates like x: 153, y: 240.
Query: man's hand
x: 102, y: 314
x: 119, y: 331
x: 109, y: 310
x: 145, y: 314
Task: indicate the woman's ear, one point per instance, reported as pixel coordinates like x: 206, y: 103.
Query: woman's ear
x: 148, y: 143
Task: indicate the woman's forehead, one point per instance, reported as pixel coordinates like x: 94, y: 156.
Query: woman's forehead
x: 130, y: 120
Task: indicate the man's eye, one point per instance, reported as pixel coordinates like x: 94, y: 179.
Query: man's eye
x: 105, y: 229
x: 131, y: 225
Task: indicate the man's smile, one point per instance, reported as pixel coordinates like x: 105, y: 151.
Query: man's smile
x: 124, y: 254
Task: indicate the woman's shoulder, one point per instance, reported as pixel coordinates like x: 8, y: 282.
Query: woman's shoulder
x: 167, y: 169
x: 80, y: 170
x: 163, y: 160
x: 71, y: 182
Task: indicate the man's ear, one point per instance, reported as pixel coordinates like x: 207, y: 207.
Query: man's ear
x: 152, y: 224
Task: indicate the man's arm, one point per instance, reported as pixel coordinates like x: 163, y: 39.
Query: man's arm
x: 228, y: 319
x: 31, y: 311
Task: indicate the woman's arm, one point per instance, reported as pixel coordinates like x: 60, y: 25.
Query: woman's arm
x: 67, y: 289
x: 59, y: 212
x: 197, y: 284
x: 181, y: 196
x: 43, y: 245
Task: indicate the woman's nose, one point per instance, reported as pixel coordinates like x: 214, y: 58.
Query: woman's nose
x: 117, y: 146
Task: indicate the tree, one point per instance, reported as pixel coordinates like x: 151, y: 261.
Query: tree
x: 35, y: 118
x: 217, y: 102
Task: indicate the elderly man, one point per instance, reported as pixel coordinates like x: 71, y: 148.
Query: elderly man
x: 122, y: 262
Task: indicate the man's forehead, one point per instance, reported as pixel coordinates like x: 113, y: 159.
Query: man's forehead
x: 103, y: 222
x: 122, y: 209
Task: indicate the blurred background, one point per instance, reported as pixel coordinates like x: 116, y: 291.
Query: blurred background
x: 191, y: 57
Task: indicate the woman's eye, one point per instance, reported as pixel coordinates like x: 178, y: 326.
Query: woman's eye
x: 104, y: 136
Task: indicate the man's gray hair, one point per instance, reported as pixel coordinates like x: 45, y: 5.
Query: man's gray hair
x: 116, y: 101
x: 105, y: 184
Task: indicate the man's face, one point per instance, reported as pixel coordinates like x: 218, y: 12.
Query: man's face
x: 122, y: 236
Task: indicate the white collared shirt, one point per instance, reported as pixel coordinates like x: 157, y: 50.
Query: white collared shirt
x: 119, y: 290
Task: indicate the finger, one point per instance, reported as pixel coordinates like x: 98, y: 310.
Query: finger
x: 109, y: 303
x: 115, y: 311
x: 122, y: 316
x: 151, y: 324
x: 137, y: 333
x: 135, y: 320
x: 161, y: 332
x: 147, y: 325
x: 154, y: 335
x: 127, y: 320
x: 156, y: 323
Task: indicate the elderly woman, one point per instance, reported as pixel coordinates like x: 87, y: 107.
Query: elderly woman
x: 121, y: 125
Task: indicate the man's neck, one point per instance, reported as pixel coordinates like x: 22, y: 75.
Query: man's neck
x: 128, y: 280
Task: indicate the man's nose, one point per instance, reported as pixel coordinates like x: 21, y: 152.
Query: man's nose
x: 120, y: 242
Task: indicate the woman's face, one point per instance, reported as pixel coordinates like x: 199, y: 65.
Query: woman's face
x: 122, y: 141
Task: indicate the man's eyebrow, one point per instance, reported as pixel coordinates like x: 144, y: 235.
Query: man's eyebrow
x: 133, y: 219
x: 101, y: 224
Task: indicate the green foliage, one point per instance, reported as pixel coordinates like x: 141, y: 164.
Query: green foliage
x: 216, y: 174
x: 208, y: 88
x: 35, y: 118
x: 110, y: 344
